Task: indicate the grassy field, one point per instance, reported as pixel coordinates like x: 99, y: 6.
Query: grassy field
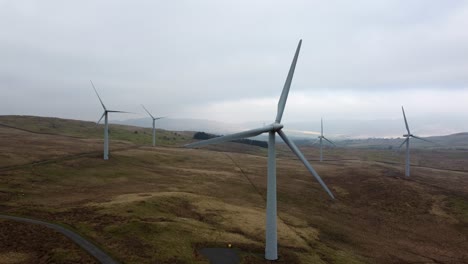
x: 159, y: 205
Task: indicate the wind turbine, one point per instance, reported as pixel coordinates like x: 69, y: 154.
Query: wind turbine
x: 154, y: 120
x: 407, y: 141
x: 321, y: 137
x: 271, y: 247
x: 106, y: 124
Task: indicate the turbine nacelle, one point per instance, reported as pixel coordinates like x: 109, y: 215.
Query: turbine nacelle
x: 276, y: 126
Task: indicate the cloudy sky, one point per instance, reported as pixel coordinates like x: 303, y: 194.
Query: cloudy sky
x: 227, y: 60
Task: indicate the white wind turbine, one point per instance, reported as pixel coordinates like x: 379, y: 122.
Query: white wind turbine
x: 154, y: 121
x: 271, y: 247
x: 407, y: 141
x: 106, y: 123
x: 322, y: 137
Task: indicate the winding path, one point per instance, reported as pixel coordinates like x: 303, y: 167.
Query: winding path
x: 93, y: 250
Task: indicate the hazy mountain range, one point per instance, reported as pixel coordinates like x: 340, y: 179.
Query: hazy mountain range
x: 336, y: 129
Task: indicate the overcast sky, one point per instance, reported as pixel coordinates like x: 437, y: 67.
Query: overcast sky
x: 228, y: 60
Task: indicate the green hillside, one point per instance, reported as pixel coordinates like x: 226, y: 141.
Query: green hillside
x: 84, y: 129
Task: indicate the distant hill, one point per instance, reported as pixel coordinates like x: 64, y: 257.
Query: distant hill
x: 335, y: 129
x: 454, y: 141
x: 205, y: 136
x: 459, y: 140
x: 85, y: 129
x: 184, y: 124
x: 142, y: 134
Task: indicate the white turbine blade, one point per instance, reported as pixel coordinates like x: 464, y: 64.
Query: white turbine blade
x: 321, y: 127
x: 424, y: 139
x: 329, y: 141
x: 147, y: 111
x: 161, y: 117
x: 403, y: 143
x: 98, y: 95
x: 240, y: 135
x: 287, y: 85
x: 116, y: 111
x: 315, y: 142
x: 298, y: 153
x: 103, y: 114
x: 406, y: 122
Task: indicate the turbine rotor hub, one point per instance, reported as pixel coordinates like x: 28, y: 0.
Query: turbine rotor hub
x: 276, y: 126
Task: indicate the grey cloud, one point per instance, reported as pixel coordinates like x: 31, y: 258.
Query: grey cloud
x: 171, y: 55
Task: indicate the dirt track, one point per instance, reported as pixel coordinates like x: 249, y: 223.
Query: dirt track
x: 79, y: 240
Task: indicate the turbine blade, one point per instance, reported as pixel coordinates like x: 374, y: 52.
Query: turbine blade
x: 315, y: 142
x: 287, y: 85
x: 103, y: 114
x: 147, y: 111
x: 298, y: 153
x: 329, y: 141
x: 115, y: 111
x: 406, y: 122
x: 161, y: 117
x: 240, y: 135
x: 103, y: 106
x: 427, y: 140
x: 321, y: 127
x: 403, y: 143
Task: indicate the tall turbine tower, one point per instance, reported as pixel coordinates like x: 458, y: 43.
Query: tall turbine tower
x: 154, y: 121
x: 106, y: 124
x: 271, y: 247
x: 323, y: 137
x: 407, y: 141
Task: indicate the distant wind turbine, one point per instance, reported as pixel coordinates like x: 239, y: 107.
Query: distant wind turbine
x: 154, y: 121
x: 271, y: 247
x: 320, y: 139
x: 407, y: 141
x: 106, y: 124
